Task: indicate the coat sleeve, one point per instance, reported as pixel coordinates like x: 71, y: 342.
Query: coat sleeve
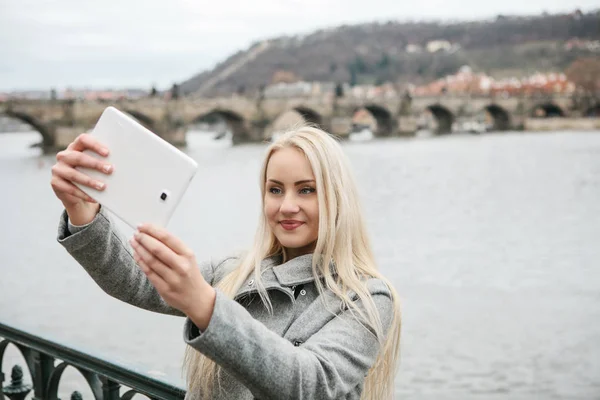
x: 106, y: 255
x: 329, y: 365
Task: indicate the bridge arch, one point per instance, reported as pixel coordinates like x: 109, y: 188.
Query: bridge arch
x: 547, y: 110
x: 142, y: 119
x: 44, y: 130
x: 443, y: 117
x: 500, y: 117
x: 283, y: 122
x: 383, y: 119
x: 232, y: 120
x: 309, y: 115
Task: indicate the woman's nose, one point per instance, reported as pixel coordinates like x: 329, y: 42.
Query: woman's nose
x: 289, y: 205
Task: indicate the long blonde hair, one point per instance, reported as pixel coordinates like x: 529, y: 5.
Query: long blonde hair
x: 342, y: 242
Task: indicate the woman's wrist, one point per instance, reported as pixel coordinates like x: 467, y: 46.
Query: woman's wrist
x: 202, y: 312
x: 82, y: 213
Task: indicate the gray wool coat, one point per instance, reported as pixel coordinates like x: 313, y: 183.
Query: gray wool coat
x: 300, y: 351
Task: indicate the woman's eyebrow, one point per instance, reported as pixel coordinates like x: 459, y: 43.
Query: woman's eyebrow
x: 295, y: 184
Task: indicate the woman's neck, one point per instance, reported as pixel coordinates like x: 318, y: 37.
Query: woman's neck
x: 290, y: 254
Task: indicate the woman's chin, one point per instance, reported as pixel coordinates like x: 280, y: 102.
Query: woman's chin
x: 293, y: 244
x: 298, y: 246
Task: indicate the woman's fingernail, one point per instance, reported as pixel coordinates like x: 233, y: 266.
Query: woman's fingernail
x: 104, y: 151
x: 99, y: 185
x: 107, y: 168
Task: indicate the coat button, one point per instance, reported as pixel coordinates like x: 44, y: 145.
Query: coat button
x: 297, y: 343
x: 302, y: 292
x: 251, y: 282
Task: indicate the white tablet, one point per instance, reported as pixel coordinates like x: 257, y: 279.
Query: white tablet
x: 150, y: 175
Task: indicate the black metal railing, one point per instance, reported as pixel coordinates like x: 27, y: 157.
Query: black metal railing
x: 46, y: 361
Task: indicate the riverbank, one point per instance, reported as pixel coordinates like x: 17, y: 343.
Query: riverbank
x: 561, y: 124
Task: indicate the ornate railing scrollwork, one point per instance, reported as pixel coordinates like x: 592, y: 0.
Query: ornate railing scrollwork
x: 104, y: 378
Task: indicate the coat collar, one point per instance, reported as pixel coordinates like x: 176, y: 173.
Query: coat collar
x: 296, y: 271
x: 275, y: 275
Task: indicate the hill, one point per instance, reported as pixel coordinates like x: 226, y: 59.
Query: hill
x: 403, y: 52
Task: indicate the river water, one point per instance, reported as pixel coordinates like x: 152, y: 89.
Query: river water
x: 492, y: 242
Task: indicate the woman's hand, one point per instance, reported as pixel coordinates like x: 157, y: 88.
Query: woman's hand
x: 172, y: 269
x: 80, y: 207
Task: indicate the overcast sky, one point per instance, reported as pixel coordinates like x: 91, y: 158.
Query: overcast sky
x: 138, y: 43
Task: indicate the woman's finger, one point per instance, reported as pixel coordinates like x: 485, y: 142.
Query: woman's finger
x: 79, y: 159
x: 86, y: 141
x: 138, y: 261
x: 60, y: 185
x: 154, y: 278
x: 163, y: 236
x: 155, y: 264
x: 159, y: 249
x: 68, y: 173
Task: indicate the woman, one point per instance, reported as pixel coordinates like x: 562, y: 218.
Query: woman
x: 303, y: 315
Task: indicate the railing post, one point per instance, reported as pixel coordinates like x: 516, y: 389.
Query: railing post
x: 104, y: 378
x: 110, y: 389
x: 43, y: 365
x: 16, y: 390
x: 1, y: 383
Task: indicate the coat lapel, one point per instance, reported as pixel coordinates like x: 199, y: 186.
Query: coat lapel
x: 282, y: 277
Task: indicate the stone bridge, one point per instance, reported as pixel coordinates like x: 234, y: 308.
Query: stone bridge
x: 255, y: 119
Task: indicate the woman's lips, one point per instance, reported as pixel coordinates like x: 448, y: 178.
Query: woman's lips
x: 290, y: 225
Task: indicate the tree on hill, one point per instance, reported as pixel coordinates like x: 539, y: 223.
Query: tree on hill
x: 339, y: 90
x: 585, y: 74
x: 283, y: 76
x: 175, y: 91
x: 509, y: 46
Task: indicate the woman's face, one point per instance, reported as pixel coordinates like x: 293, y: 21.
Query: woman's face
x: 290, y: 203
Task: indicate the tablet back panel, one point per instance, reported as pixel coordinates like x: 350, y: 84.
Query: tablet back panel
x: 150, y: 175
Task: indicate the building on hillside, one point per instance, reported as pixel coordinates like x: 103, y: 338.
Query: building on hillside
x: 465, y: 81
x: 370, y: 92
x: 283, y: 89
x: 580, y: 44
x: 539, y: 83
x: 438, y: 45
x: 414, y: 48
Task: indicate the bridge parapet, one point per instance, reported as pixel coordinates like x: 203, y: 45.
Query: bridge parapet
x: 249, y: 118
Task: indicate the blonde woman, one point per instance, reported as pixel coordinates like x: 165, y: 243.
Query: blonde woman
x: 305, y: 314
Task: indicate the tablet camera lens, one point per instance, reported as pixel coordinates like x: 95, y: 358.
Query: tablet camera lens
x: 163, y: 196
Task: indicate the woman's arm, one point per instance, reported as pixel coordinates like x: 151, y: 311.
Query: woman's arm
x: 106, y: 255
x: 328, y: 365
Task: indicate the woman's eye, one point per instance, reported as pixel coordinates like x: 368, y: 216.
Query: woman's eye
x: 275, y: 190
x: 307, y: 190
